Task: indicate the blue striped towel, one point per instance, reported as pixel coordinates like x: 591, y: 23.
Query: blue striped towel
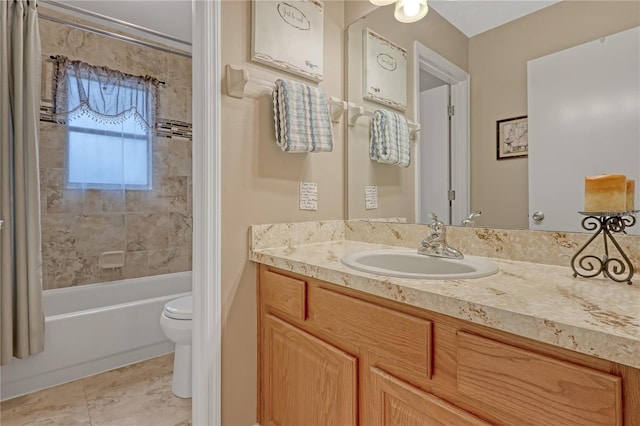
x: 301, y: 115
x: 389, y: 138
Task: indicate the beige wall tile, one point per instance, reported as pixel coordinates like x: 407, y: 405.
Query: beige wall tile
x: 146, y: 61
x: 89, y: 271
x: 56, y: 39
x: 58, y: 236
x: 179, y: 70
x: 92, y: 201
x: 55, y: 198
x: 174, y: 191
x: 173, y: 102
x: 147, y: 231
x: 60, y: 270
x: 95, y: 233
x: 180, y: 230
x: 136, y: 264
x: 113, y: 201
x: 172, y: 157
x: 103, y: 51
x: 174, y: 259
x: 111, y: 274
x: 145, y: 201
x: 52, y: 145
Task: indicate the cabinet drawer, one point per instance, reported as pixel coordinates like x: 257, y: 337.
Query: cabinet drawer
x: 403, y: 342
x: 284, y: 294
x: 527, y: 388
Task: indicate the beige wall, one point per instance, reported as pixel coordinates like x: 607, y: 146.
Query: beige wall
x: 260, y: 185
x: 153, y: 227
x: 498, y: 68
x: 396, y: 185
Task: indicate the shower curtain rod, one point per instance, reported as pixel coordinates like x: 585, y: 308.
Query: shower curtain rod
x: 82, y: 11
x: 113, y: 35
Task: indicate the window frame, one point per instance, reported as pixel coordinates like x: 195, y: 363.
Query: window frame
x: 148, y: 136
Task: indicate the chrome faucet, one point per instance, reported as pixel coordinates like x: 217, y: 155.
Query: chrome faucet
x: 436, y: 243
x: 469, y: 221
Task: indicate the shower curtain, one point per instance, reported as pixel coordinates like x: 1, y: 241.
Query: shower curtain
x: 21, y: 312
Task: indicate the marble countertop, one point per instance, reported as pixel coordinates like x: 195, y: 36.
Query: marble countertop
x: 543, y: 302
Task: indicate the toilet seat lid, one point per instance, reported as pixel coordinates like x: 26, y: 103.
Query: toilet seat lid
x: 181, y: 308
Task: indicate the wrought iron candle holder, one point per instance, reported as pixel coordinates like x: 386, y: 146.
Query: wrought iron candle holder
x: 607, y: 224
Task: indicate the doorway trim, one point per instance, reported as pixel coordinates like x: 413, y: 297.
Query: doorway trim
x: 207, y: 331
x: 459, y: 80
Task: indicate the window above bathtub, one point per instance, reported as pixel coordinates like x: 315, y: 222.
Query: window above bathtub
x: 110, y: 118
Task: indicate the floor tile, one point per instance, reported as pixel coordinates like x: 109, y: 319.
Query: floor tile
x: 63, y: 405
x: 136, y: 395
x: 132, y: 396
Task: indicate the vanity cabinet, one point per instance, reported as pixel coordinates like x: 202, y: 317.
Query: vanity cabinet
x: 329, y: 355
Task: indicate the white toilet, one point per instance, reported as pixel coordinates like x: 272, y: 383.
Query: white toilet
x: 175, y: 321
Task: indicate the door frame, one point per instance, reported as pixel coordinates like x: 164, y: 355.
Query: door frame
x: 460, y: 81
x: 207, y: 313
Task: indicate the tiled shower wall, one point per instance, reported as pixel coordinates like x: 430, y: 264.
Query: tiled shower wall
x: 153, y: 227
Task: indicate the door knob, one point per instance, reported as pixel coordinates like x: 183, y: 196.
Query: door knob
x: 538, y: 216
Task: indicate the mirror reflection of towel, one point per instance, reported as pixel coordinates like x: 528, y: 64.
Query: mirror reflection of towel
x: 301, y: 115
x: 389, y: 138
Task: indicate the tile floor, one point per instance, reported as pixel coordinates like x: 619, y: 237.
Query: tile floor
x: 136, y: 395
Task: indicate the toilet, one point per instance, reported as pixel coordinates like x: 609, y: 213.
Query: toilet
x: 175, y: 322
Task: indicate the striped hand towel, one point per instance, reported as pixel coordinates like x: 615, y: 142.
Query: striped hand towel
x: 301, y: 115
x: 389, y: 138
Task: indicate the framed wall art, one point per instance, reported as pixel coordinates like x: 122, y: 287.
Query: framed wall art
x: 289, y: 36
x: 384, y: 71
x: 513, y: 137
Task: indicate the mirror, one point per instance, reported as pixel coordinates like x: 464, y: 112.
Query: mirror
x: 496, y: 61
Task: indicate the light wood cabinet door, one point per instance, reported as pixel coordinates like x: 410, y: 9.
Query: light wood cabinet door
x: 397, y: 403
x: 305, y: 381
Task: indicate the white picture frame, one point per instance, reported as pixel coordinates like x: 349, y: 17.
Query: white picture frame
x: 384, y: 71
x: 288, y: 35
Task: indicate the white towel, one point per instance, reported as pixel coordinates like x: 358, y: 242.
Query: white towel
x: 389, y: 138
x: 301, y: 115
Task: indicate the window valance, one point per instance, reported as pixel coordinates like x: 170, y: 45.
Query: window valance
x: 102, y: 94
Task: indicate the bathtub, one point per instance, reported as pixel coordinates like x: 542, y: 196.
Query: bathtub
x: 94, y: 328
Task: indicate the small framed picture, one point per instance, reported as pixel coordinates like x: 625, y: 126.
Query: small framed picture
x: 288, y: 35
x: 384, y: 71
x: 513, y: 137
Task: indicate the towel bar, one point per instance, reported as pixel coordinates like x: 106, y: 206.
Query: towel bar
x: 238, y: 77
x: 355, y: 111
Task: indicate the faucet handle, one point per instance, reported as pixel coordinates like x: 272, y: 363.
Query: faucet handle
x: 469, y: 221
x: 433, y: 217
x: 474, y: 214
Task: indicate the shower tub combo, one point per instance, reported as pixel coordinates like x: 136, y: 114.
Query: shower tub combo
x: 94, y: 328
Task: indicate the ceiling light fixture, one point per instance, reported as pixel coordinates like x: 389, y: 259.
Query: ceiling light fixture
x: 406, y: 11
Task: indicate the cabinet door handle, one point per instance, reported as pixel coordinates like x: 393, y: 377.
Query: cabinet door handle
x: 1, y: 225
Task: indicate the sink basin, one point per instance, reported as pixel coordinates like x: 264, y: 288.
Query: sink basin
x: 409, y: 264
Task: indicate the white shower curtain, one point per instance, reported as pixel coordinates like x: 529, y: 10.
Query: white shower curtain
x: 21, y: 313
